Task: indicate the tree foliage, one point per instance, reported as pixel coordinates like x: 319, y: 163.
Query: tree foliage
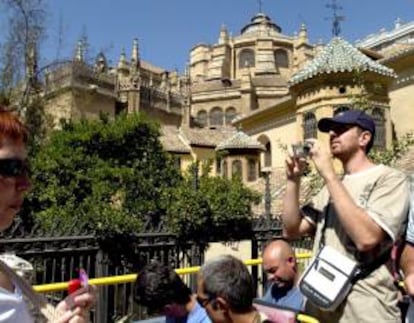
x: 20, y: 87
x: 395, y: 152
x: 106, y: 176
x: 217, y: 209
x: 24, y: 32
x: 109, y: 177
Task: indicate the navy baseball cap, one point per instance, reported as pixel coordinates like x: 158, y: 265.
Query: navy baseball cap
x: 350, y: 117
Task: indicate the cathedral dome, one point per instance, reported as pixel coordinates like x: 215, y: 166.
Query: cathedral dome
x: 261, y: 24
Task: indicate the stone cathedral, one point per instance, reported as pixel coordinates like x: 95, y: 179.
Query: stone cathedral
x: 243, y: 99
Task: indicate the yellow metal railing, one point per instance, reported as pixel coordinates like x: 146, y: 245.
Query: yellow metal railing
x: 130, y: 278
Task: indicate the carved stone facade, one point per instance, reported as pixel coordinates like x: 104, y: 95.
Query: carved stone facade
x: 76, y: 89
x: 276, y: 87
x: 271, y: 86
x: 248, y: 72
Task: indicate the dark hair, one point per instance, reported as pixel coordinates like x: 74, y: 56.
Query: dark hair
x: 158, y: 285
x: 11, y: 127
x: 229, y: 278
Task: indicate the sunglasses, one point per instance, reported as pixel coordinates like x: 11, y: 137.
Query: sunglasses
x: 203, y: 301
x: 340, y: 129
x: 13, y: 167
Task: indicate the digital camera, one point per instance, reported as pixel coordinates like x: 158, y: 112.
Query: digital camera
x: 301, y: 150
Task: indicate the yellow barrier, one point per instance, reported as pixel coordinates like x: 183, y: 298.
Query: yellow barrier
x: 306, y: 318
x: 123, y: 279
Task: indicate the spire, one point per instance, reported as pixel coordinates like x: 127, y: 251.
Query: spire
x: 135, y: 60
x: 79, y: 54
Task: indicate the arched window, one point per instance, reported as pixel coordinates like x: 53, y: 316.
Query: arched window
x: 379, y: 120
x: 177, y: 162
x: 252, y: 170
x: 202, y: 118
x: 218, y: 165
x: 281, y: 58
x: 246, y: 58
x: 225, y: 170
x: 309, y: 125
x: 230, y: 115
x: 216, y: 117
x: 340, y: 109
x: 267, y: 154
x: 236, y: 168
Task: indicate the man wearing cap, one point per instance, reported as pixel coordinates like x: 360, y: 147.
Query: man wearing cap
x: 360, y: 213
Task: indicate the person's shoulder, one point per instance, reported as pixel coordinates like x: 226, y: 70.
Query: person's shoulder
x: 388, y: 173
x: 198, y: 315
x: 391, y: 171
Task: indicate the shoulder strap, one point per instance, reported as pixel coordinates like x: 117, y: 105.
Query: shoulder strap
x: 364, y: 269
x: 47, y: 310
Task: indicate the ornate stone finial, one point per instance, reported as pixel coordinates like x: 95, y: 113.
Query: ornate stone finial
x: 224, y: 35
x: 101, y: 65
x: 122, y: 64
x: 397, y: 23
x: 336, y: 19
x: 303, y: 33
x: 79, y: 54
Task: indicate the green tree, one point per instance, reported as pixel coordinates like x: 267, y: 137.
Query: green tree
x: 217, y: 209
x: 102, y: 176
x: 20, y: 86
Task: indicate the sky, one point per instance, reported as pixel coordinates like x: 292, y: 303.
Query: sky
x: 168, y: 29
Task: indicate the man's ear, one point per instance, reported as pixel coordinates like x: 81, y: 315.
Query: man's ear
x: 365, y: 137
x: 292, y: 262
x: 220, y: 304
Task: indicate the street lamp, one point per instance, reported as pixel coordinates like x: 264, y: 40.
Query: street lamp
x: 267, y: 195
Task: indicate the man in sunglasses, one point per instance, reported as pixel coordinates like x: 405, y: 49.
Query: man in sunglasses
x: 14, y: 183
x: 359, y: 214
x: 162, y: 291
x: 225, y: 289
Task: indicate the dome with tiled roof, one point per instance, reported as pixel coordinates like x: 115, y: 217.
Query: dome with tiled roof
x: 240, y: 141
x: 339, y: 56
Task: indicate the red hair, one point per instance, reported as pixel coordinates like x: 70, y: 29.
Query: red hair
x: 11, y: 127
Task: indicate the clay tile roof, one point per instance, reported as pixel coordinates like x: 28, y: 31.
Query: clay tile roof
x: 171, y: 141
x: 240, y: 141
x: 337, y: 57
x: 205, y: 136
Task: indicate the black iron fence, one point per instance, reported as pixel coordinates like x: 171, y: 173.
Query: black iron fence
x: 56, y: 258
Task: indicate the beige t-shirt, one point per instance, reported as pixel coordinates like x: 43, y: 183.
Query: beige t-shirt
x: 384, y: 193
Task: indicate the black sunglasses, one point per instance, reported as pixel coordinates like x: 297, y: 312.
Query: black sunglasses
x: 203, y: 301
x: 13, y: 167
x: 341, y: 128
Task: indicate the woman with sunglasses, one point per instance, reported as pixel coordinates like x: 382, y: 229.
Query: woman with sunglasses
x: 14, y: 183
